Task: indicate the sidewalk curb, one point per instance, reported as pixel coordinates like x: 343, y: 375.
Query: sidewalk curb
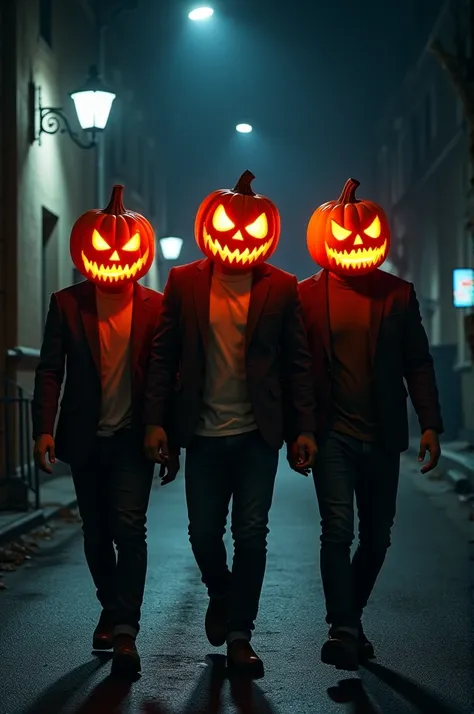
x: 30, y: 521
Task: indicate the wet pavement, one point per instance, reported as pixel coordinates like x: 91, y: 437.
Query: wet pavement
x: 419, y: 620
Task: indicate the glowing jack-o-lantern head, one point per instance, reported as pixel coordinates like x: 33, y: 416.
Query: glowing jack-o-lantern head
x: 237, y: 228
x: 349, y: 236
x: 112, y: 247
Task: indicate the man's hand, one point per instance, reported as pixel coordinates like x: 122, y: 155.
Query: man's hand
x: 302, y: 453
x: 429, y: 442
x: 44, y: 444
x: 156, y: 444
x: 170, y: 469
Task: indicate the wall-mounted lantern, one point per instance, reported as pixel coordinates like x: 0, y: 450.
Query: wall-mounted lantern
x: 93, y: 102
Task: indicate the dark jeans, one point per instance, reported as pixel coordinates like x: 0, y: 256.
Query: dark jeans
x: 113, y: 491
x: 217, y: 468
x: 346, y: 466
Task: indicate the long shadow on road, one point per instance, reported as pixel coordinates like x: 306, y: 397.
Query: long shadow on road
x: 357, y: 694
x: 420, y: 698
x: 206, y: 695
x: 57, y: 696
x: 106, y: 698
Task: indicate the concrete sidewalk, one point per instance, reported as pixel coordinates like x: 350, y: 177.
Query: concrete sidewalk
x: 56, y: 495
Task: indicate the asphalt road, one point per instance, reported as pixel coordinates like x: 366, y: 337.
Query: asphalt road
x: 419, y: 620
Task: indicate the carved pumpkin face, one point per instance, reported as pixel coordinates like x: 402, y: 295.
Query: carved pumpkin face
x: 238, y: 228
x: 349, y: 236
x: 112, y: 247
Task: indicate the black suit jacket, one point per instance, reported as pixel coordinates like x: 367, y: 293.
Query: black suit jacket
x: 278, y: 361
x: 399, y: 352
x: 71, y: 344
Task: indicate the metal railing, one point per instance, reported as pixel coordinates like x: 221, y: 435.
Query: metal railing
x: 17, y: 438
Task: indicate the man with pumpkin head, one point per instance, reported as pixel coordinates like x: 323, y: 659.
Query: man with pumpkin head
x: 232, y: 330
x: 367, y: 339
x: 99, y: 331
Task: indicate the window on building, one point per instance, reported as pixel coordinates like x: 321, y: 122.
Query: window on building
x: 46, y: 20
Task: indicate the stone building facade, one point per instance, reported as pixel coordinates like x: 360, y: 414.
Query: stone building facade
x: 47, y: 47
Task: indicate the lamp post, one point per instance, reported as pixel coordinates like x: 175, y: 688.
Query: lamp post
x: 93, y: 102
x: 170, y: 250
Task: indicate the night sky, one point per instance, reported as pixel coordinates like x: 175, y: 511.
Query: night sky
x: 313, y: 78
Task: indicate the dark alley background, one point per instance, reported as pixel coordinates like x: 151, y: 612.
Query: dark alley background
x: 333, y: 90
x: 313, y: 79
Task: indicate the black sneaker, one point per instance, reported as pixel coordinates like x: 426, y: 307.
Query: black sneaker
x: 341, y: 651
x: 216, y: 621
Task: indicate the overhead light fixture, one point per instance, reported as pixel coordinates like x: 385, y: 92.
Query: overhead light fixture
x: 201, y: 13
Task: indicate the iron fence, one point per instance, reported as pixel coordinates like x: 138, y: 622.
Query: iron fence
x: 17, y: 438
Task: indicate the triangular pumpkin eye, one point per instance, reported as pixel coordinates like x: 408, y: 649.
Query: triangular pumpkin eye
x: 339, y: 232
x: 98, y: 242
x: 259, y: 228
x: 374, y: 230
x: 133, y: 243
x: 221, y: 220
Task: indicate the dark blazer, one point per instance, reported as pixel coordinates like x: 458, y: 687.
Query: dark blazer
x: 277, y: 358
x: 71, y: 341
x: 399, y: 352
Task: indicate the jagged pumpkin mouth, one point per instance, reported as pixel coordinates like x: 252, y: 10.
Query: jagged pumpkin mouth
x: 360, y: 258
x: 114, y: 273
x: 243, y: 257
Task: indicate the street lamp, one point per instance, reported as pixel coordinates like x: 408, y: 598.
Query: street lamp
x: 201, y: 13
x: 171, y: 247
x: 93, y: 102
x: 244, y: 128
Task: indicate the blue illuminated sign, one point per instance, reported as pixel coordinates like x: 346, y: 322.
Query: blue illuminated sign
x: 463, y: 287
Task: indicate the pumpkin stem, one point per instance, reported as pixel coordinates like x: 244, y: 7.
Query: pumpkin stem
x: 243, y: 184
x: 349, y: 191
x: 115, y: 205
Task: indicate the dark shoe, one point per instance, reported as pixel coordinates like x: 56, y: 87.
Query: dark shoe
x: 126, y: 660
x: 103, y: 638
x: 216, y: 621
x: 242, y: 659
x: 366, y: 648
x: 341, y: 650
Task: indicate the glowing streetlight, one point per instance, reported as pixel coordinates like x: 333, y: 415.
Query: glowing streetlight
x: 171, y: 247
x: 244, y: 128
x: 93, y: 102
x: 201, y: 13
